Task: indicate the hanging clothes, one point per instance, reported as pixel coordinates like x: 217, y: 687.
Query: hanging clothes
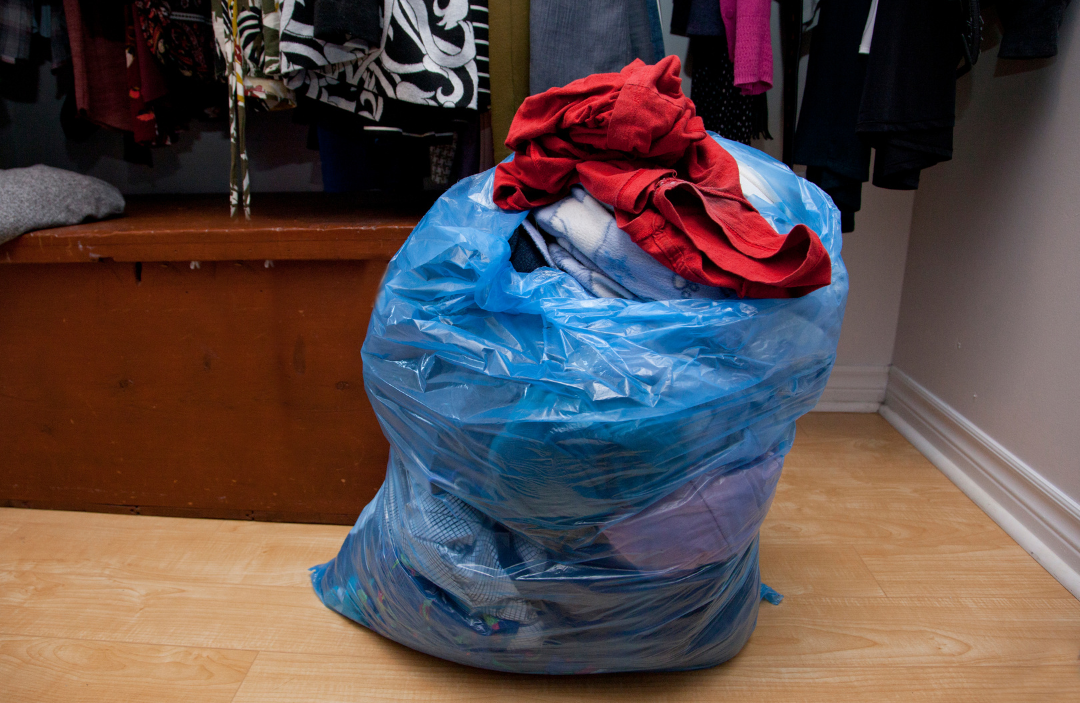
x: 899, y: 99
x: 721, y: 105
x: 341, y: 21
x: 424, y: 79
x: 1030, y: 28
x: 227, y: 33
x: 837, y: 159
x: 571, y: 39
x: 146, y: 84
x: 180, y: 35
x: 356, y: 157
x: 633, y: 141
x: 908, y: 105
x: 16, y: 29
x: 99, y: 62
x: 20, y: 22
x: 744, y: 30
x: 247, y: 40
x: 749, y: 39
x: 429, y: 55
x: 697, y: 18
x: 255, y: 38
x: 357, y: 160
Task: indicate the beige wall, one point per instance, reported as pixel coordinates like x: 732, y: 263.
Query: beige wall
x: 990, y: 316
x: 874, y: 254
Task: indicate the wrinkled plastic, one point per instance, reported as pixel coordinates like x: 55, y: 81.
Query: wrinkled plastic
x: 576, y: 484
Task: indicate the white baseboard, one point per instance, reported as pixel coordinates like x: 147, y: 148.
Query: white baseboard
x: 1034, y: 512
x: 854, y: 389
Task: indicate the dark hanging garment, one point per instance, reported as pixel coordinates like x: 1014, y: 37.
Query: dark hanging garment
x: 570, y: 39
x: 357, y: 161
x: 908, y: 105
x: 99, y: 61
x: 837, y: 160
x: 970, y: 25
x: 720, y: 104
x: 1030, y: 28
x: 698, y: 18
x: 339, y: 21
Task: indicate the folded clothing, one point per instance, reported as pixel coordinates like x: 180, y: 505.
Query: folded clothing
x: 42, y: 196
x: 587, y: 229
x: 633, y: 140
x: 585, y: 272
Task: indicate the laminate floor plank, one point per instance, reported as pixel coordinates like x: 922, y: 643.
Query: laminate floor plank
x: 898, y: 587
x: 978, y: 572
x: 880, y: 632
x: 283, y: 679
x: 212, y: 551
x: 228, y: 616
x: 34, y: 669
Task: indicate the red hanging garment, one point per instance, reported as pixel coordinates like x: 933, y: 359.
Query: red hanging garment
x: 633, y: 140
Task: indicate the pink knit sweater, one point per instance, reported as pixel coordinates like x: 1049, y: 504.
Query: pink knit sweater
x: 746, y: 23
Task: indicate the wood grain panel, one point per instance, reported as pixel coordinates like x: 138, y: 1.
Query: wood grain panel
x: 815, y: 569
x: 40, y: 670
x: 85, y: 605
x: 882, y: 632
x: 232, y: 390
x: 974, y: 573
x: 105, y: 545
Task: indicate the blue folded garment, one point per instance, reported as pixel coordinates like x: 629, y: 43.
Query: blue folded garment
x: 586, y: 229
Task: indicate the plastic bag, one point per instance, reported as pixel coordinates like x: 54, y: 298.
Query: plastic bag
x: 576, y: 484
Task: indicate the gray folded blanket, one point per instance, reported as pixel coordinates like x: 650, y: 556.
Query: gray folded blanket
x: 42, y: 196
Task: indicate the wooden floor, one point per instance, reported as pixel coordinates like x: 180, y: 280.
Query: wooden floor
x: 898, y: 588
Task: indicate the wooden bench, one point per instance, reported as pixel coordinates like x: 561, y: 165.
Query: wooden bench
x: 177, y: 361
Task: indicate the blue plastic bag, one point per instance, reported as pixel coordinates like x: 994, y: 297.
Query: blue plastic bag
x: 576, y: 484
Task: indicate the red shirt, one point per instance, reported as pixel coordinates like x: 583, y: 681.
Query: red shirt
x: 633, y: 140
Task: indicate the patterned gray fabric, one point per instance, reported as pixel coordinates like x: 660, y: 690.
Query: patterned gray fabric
x: 454, y: 546
x: 42, y: 196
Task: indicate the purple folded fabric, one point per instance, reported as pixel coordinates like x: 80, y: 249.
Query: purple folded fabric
x: 709, y: 519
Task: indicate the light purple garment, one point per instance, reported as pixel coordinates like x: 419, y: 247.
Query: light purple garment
x: 708, y: 520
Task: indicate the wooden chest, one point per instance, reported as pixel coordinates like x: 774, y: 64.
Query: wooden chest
x: 177, y: 361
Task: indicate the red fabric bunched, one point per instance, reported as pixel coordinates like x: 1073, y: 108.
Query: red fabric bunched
x: 632, y: 139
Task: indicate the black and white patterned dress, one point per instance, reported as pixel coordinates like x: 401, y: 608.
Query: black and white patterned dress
x: 433, y: 53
